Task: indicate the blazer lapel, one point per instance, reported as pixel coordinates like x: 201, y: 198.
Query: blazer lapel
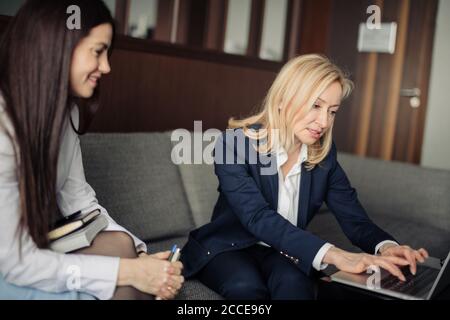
x: 274, y: 187
x: 303, y: 201
x: 271, y: 180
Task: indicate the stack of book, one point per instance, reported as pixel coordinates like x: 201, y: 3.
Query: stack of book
x: 76, y: 231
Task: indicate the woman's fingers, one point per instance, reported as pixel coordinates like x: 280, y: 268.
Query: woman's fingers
x: 161, y: 255
x: 178, y: 265
x: 408, y: 253
x: 392, y: 268
x: 397, y: 260
x: 175, y: 282
x: 168, y: 293
x: 176, y: 268
x: 424, y: 253
x: 418, y: 256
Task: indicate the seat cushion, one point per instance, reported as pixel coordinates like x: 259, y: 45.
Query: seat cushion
x: 201, y: 185
x: 199, y: 180
x: 195, y: 290
x: 136, y: 181
x: 435, y: 240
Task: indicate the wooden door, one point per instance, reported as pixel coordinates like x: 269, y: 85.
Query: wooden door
x: 378, y: 120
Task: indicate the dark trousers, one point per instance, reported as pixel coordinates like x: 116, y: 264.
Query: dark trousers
x: 257, y: 273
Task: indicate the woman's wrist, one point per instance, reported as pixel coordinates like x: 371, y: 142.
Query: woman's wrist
x: 386, y: 246
x: 332, y: 255
x: 126, y: 272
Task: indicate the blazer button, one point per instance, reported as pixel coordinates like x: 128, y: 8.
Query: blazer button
x: 208, y: 253
x: 233, y: 244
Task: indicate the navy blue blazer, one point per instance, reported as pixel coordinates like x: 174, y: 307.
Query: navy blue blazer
x: 246, y: 211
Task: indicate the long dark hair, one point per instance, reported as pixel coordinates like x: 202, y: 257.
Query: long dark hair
x: 35, y: 61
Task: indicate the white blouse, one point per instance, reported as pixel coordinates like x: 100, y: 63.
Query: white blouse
x: 44, y: 269
x: 288, y: 199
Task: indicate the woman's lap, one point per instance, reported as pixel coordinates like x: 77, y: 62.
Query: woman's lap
x: 234, y: 275
x: 256, y: 273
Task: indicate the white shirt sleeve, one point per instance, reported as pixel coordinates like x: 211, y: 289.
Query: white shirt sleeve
x: 382, y: 243
x: 43, y: 269
x: 317, y: 262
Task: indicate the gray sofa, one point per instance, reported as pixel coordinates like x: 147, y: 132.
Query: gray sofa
x: 160, y: 202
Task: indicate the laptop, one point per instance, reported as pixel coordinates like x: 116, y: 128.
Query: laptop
x: 432, y: 277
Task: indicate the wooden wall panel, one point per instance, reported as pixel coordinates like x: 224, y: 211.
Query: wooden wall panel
x: 342, y: 49
x: 256, y: 27
x: 152, y: 92
x: 316, y: 16
x: 388, y: 84
x: 122, y: 15
x: 216, y: 21
x: 293, y: 29
x: 164, y: 22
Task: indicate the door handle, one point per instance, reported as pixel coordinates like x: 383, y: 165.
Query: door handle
x: 414, y: 92
x: 414, y: 95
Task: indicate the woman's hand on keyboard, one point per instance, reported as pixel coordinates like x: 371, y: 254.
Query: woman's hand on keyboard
x: 405, y: 252
x: 361, y: 262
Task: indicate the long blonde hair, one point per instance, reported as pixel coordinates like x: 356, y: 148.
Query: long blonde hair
x: 299, y: 84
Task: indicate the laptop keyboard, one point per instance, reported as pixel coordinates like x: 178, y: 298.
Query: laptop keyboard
x: 414, y: 284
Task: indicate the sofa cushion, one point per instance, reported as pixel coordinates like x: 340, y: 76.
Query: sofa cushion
x: 199, y: 180
x: 402, y: 190
x: 136, y: 181
x: 435, y: 240
x: 195, y: 290
x: 201, y: 185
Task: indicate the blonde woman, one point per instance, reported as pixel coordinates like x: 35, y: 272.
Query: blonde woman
x: 275, y: 170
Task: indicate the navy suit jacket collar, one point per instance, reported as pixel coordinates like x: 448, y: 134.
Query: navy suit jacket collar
x: 303, y: 199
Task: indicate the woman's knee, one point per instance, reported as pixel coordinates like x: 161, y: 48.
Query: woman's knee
x: 292, y: 286
x: 245, y: 290
x: 113, y: 244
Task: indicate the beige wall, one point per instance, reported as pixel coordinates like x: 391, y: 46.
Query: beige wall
x: 436, y: 146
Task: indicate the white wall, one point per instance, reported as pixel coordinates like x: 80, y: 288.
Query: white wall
x: 436, y: 145
x: 143, y: 15
x: 238, y: 26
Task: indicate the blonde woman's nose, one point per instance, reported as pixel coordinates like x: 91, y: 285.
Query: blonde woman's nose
x: 322, y: 120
